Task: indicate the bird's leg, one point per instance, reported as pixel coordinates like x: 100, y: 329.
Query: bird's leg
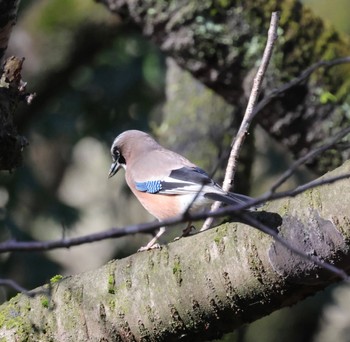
x: 187, y: 231
x: 152, y: 244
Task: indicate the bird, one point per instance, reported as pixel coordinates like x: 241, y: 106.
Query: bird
x: 165, y: 183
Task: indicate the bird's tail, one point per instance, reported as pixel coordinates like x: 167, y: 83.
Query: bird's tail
x: 230, y: 198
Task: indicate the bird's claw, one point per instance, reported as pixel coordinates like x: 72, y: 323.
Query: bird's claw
x: 188, y: 230
x: 148, y: 248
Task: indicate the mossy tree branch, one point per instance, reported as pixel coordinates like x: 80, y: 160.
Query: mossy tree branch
x: 219, y: 42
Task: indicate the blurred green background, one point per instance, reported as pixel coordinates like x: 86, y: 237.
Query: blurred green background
x: 94, y: 78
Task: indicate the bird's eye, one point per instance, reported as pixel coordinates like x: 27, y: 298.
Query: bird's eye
x: 121, y: 159
x: 117, y: 156
x: 115, y: 152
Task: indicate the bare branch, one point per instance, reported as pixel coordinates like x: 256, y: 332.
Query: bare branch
x: 15, y: 286
x: 249, y: 113
x: 323, y: 264
x: 270, y: 196
x: 303, y: 76
x: 11, y: 245
x: 311, y: 185
x: 308, y: 157
x: 12, y: 284
x: 248, y: 116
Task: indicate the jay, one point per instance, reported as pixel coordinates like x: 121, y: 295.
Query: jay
x: 165, y: 183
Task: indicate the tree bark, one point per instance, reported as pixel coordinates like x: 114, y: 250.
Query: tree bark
x: 12, y: 91
x: 219, y: 42
x: 199, y: 287
x: 8, y: 16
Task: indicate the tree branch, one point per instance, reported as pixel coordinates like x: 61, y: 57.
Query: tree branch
x: 8, y: 16
x: 221, y: 50
x: 12, y: 91
x: 309, y: 157
x: 275, y: 93
x: 12, y: 245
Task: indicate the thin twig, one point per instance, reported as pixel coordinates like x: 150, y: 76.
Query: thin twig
x: 310, y: 185
x: 323, y: 264
x: 247, y: 119
x: 248, y: 116
x: 11, y: 245
x: 285, y: 87
x: 309, y: 157
x: 303, y: 76
x: 15, y: 286
x: 270, y: 196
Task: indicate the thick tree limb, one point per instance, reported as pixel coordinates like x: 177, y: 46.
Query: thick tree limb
x: 199, y: 287
x: 219, y: 44
x: 12, y: 91
x: 8, y: 16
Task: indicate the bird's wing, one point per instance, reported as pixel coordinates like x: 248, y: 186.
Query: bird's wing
x: 181, y: 181
x: 191, y: 180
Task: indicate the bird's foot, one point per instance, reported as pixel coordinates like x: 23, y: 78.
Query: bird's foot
x: 148, y: 248
x: 188, y: 230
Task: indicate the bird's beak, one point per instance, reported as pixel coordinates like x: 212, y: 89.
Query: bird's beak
x: 114, y: 169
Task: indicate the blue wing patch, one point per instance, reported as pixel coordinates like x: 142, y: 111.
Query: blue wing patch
x: 152, y: 187
x: 183, y: 177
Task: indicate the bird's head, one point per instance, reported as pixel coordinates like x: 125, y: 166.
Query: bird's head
x: 126, y: 147
x: 118, y: 161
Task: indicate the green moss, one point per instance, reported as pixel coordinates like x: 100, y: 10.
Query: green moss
x: 67, y: 296
x: 112, y: 304
x: 283, y: 210
x: 64, y: 13
x: 111, y: 279
x: 313, y: 198
x: 217, y: 240
x: 224, y: 3
x: 164, y: 255
x: 111, y: 283
x: 220, y: 234
x: 176, y: 268
x: 11, y: 318
x: 327, y: 97
x: 56, y: 279
x: 45, y: 302
x: 343, y: 91
x: 177, y: 271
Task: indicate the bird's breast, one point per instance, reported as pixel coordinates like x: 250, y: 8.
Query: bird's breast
x: 164, y: 206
